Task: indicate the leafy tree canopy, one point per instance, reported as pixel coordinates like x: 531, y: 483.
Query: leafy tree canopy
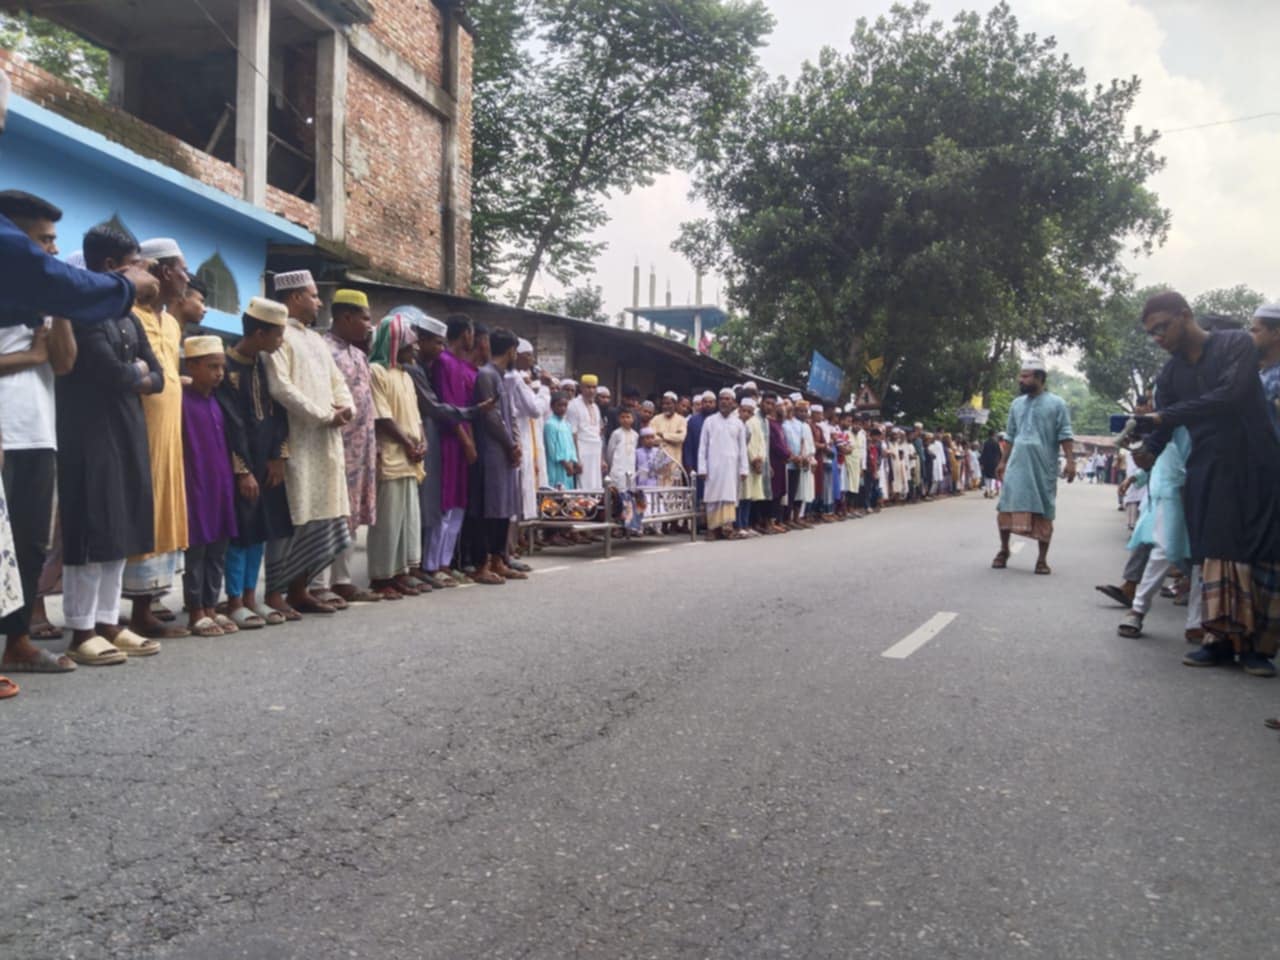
x: 56, y: 49
x: 932, y: 195
x: 577, y: 99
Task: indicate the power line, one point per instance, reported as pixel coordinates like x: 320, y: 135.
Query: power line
x: 1220, y: 123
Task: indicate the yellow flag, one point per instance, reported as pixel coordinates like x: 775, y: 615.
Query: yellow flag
x: 976, y: 401
x: 875, y: 366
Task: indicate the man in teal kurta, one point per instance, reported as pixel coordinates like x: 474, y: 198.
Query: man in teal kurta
x: 1039, y: 424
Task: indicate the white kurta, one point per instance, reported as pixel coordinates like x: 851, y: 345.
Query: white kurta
x: 584, y: 421
x: 808, y: 450
x: 622, y: 458
x: 531, y: 410
x: 305, y: 381
x: 939, y: 460
x: 722, y: 457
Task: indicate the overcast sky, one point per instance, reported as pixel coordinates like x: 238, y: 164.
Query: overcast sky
x: 1200, y: 61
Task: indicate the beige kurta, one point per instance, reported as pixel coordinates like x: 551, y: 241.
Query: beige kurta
x: 307, y: 383
x: 163, y: 412
x: 395, y: 399
x: 671, y: 431
x: 752, y: 488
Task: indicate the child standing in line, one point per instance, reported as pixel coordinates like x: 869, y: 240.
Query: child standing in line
x: 211, y: 494
x: 562, y: 455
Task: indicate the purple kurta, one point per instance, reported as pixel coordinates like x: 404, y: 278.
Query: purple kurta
x: 211, y: 487
x: 454, y: 381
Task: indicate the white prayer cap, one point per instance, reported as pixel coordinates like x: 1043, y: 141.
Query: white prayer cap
x: 751, y: 385
x: 524, y: 346
x: 736, y: 387
x: 670, y: 395
x: 429, y: 324
x: 749, y: 403
x: 293, y: 280
x: 160, y: 248
x: 795, y: 397
x: 708, y: 395
x: 918, y: 425
x: 815, y: 408
x: 267, y: 311
x: 1268, y: 311
x: 567, y: 382
x: 203, y: 346
x: 647, y: 405
x: 603, y: 392
x: 76, y: 259
x: 1034, y: 364
x: 727, y: 392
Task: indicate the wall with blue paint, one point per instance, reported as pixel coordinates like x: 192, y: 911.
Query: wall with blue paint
x: 92, y: 179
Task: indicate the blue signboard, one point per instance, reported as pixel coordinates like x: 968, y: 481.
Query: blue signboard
x: 825, y: 378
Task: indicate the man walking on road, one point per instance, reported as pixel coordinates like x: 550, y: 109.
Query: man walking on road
x: 1038, y: 424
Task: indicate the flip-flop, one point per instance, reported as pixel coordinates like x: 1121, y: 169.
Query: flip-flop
x: 330, y: 598
x: 1001, y: 560
x: 8, y: 688
x: 1131, y: 626
x: 1042, y: 569
x: 97, y: 652
x: 226, y: 623
x: 168, y: 631
x: 45, y: 662
x: 313, y: 606
x: 1112, y: 592
x: 362, y: 595
x: 130, y: 643
x: 46, y: 631
x: 246, y: 619
x: 161, y: 612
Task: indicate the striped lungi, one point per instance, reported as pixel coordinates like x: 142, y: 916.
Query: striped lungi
x: 1025, y: 524
x: 311, y: 548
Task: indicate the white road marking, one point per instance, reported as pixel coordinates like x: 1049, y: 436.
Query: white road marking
x: 606, y: 559
x: 1017, y: 547
x: 656, y: 550
x: 919, y: 637
x: 563, y: 566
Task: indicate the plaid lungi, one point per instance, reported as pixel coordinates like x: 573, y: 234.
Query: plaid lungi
x: 1025, y: 524
x: 1266, y: 608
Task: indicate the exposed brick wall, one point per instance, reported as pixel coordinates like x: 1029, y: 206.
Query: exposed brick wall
x: 393, y: 178
x: 127, y: 130
x: 412, y: 28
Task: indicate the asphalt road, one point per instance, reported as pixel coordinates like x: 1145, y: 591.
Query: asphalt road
x: 697, y: 751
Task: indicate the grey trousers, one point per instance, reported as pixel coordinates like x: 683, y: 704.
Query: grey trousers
x: 1137, y: 563
x: 202, y: 579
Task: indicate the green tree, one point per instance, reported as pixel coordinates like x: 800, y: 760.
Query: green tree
x: 931, y: 190
x: 584, y: 302
x: 1237, y: 302
x: 1120, y: 361
x: 1090, y: 413
x: 587, y: 98
x: 64, y: 54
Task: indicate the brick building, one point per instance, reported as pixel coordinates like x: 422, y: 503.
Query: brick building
x: 263, y: 134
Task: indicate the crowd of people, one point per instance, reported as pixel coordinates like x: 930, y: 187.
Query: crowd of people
x: 143, y: 455
x: 1201, y: 495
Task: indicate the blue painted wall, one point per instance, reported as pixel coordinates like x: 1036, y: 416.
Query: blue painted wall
x: 92, y: 179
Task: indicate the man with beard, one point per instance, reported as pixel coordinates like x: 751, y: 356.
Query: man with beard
x: 1039, y: 423
x: 1211, y: 386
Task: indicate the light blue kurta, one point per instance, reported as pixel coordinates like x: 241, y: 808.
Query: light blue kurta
x: 1164, y: 519
x: 1037, y: 425
x: 558, y: 438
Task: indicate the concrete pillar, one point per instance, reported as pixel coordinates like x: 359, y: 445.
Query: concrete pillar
x: 635, y: 287
x: 451, y: 75
x: 331, y: 142
x: 697, y: 331
x: 253, y: 30
x: 697, y: 290
x: 653, y: 287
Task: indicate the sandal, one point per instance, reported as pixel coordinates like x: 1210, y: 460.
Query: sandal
x: 439, y: 581
x: 8, y: 688
x: 1001, y: 560
x: 388, y: 592
x: 133, y: 645
x: 166, y: 631
x: 331, y: 599
x: 1114, y: 593
x: 161, y: 612
x: 97, y: 652
x: 206, y: 627
x: 1042, y: 568
x: 311, y: 605
x: 273, y: 617
x: 46, y: 631
x: 45, y: 662
x: 246, y: 619
x: 226, y: 623
x: 1131, y: 625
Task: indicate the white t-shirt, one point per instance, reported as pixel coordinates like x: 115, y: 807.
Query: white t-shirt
x: 26, y: 398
